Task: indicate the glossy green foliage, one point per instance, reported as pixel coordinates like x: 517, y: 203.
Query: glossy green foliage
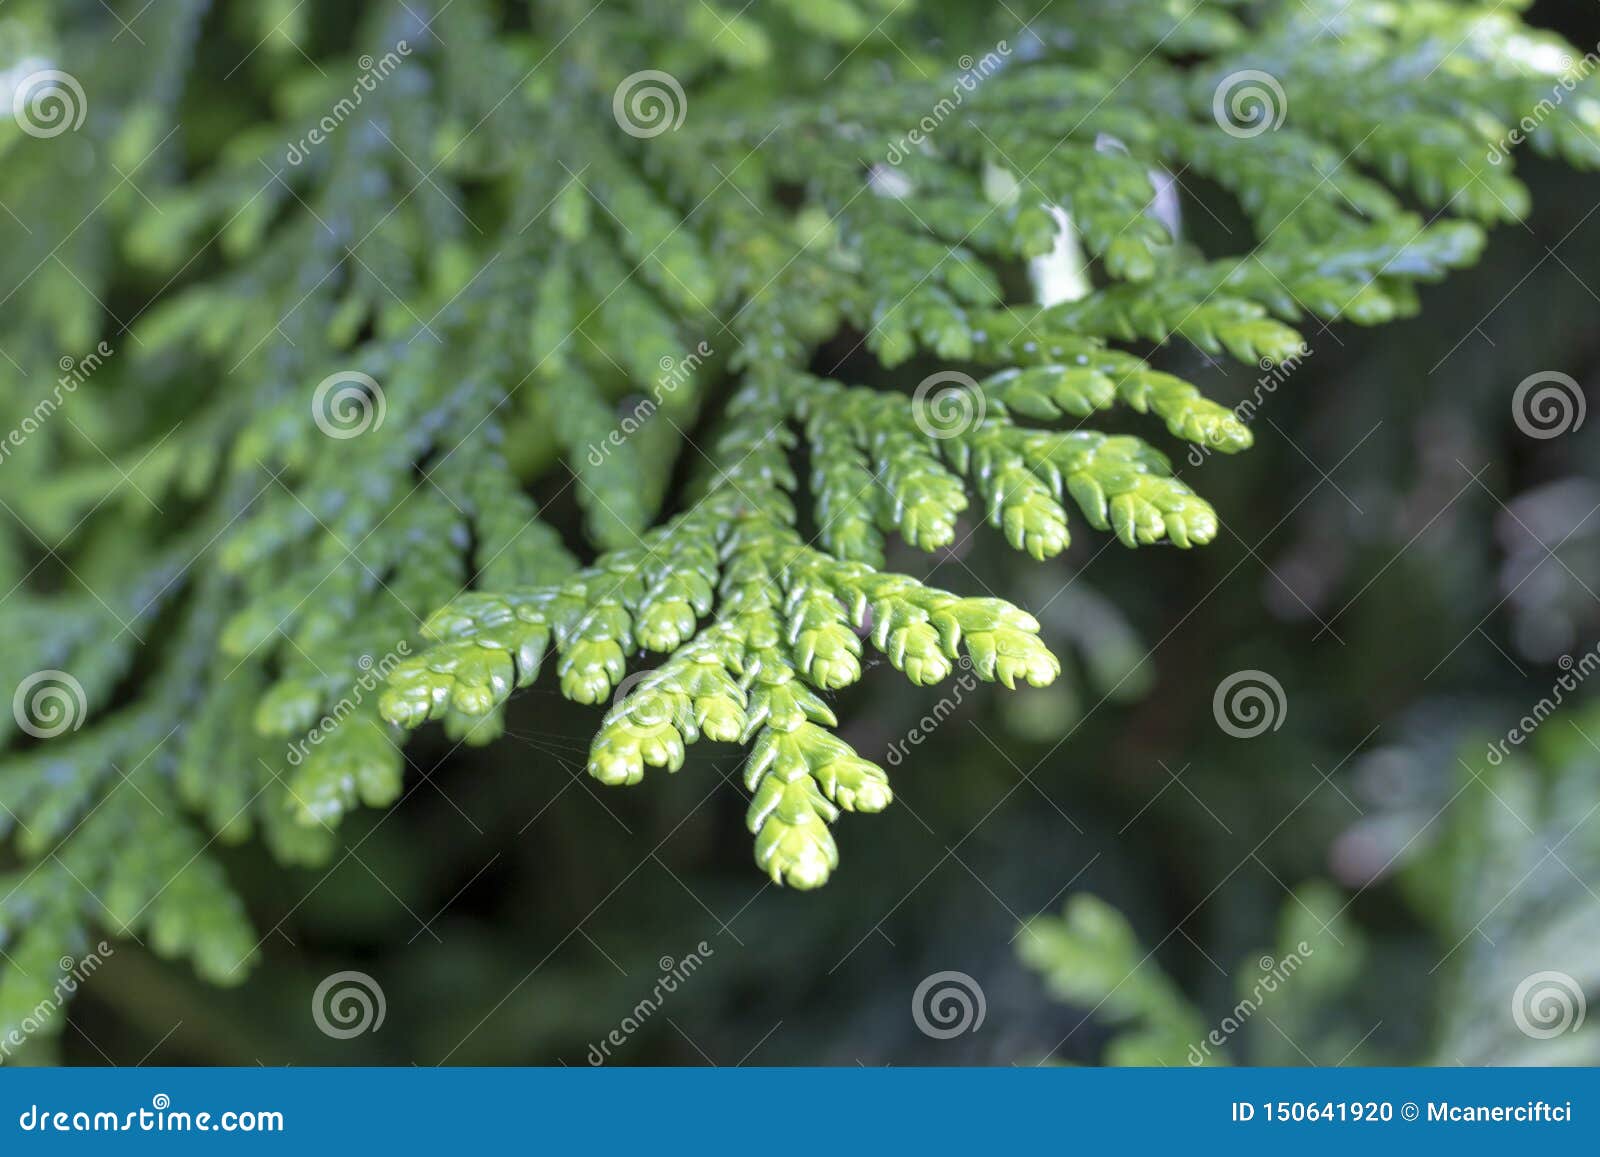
x: 362, y: 287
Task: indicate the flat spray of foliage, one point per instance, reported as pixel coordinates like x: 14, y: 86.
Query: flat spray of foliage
x: 364, y: 286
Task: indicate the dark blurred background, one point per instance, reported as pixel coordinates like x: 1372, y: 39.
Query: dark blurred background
x: 1405, y: 561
